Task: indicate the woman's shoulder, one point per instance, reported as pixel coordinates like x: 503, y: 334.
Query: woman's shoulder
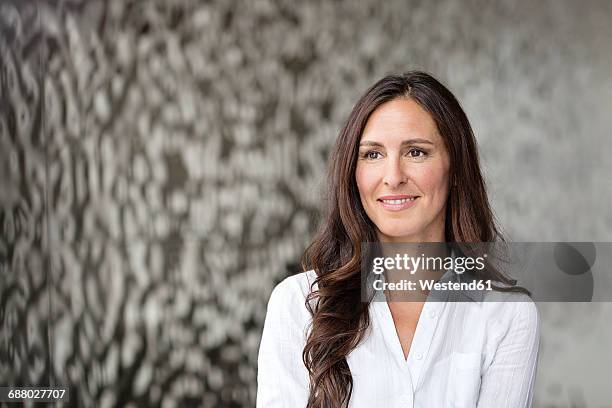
x: 511, y: 308
x: 289, y: 296
x: 298, y: 285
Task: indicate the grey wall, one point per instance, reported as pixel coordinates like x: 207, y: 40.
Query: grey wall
x: 161, y: 163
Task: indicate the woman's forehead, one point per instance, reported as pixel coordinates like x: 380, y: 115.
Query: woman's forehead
x: 398, y: 120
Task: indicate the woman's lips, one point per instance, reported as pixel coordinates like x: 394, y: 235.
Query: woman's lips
x: 398, y: 203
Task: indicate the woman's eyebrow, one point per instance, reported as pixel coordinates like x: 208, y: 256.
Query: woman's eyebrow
x: 405, y: 142
x: 370, y: 143
x: 417, y: 140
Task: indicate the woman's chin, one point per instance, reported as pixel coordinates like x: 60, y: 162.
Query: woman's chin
x: 399, y: 236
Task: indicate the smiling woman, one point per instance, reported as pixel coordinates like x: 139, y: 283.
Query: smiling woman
x: 404, y: 169
x: 403, y: 164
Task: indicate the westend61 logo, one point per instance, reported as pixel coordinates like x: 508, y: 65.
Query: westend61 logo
x: 547, y: 271
x: 410, y: 271
x: 414, y: 263
x: 397, y: 266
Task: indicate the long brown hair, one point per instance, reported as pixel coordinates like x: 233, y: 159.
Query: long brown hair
x: 339, y: 317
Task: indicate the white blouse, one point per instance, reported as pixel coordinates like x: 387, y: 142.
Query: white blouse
x: 472, y: 353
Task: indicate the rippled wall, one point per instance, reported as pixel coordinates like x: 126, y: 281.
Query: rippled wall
x: 161, y: 164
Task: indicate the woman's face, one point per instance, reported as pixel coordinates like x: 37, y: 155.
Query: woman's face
x: 403, y: 173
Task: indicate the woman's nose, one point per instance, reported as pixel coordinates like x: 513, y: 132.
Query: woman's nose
x: 394, y: 174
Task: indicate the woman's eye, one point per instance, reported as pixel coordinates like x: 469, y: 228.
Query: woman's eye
x: 371, y: 154
x: 417, y: 153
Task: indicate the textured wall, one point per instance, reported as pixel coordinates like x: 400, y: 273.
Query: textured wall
x: 161, y: 163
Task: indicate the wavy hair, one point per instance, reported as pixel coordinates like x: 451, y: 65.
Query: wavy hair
x: 339, y: 318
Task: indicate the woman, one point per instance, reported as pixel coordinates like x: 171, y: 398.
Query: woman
x: 404, y: 169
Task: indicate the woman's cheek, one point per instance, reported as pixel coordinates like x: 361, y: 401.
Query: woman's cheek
x: 366, y: 181
x: 430, y: 178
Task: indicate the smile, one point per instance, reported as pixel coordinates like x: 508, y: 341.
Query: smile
x: 400, y: 201
x: 397, y: 203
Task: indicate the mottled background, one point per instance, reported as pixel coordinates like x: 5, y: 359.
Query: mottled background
x: 161, y: 164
